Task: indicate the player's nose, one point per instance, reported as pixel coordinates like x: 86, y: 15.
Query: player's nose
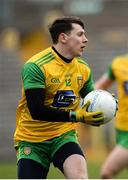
x: 85, y: 40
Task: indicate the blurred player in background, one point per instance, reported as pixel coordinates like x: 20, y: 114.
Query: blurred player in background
x: 53, y: 81
x: 118, y: 158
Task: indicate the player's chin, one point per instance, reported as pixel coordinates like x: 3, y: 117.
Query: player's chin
x: 79, y: 54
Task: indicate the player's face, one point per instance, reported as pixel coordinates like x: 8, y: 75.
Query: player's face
x: 76, y: 40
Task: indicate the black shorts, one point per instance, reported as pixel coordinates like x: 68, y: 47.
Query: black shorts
x: 64, y: 152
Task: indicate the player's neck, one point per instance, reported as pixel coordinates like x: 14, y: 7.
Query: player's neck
x: 62, y: 57
x: 63, y: 51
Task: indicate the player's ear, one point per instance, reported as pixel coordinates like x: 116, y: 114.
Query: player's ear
x: 63, y: 37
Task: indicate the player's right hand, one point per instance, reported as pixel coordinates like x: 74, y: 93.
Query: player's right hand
x: 92, y: 118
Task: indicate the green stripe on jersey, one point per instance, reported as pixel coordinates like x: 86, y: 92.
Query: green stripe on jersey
x: 46, y: 57
x: 40, y: 59
x: 46, y: 60
x: 81, y: 61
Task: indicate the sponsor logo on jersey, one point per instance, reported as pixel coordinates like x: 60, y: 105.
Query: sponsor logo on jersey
x: 64, y: 98
x: 55, y: 80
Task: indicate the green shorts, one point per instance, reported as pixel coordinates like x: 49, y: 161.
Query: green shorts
x: 122, y: 138
x: 43, y: 152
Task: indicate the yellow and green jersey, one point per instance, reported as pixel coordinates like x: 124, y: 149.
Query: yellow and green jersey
x: 64, y: 83
x: 119, y: 71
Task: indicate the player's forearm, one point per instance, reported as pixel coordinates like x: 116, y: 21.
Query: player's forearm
x: 49, y: 114
x: 38, y: 111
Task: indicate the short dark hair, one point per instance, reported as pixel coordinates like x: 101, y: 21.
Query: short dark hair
x: 64, y: 25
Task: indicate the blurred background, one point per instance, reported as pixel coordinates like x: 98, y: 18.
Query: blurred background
x: 24, y: 32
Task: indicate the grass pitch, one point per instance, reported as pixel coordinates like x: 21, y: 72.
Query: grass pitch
x: 8, y: 171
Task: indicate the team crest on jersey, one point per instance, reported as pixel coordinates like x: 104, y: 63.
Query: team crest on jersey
x: 27, y: 150
x: 80, y: 81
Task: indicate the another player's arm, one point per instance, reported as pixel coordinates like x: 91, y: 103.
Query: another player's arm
x: 106, y: 79
x: 33, y: 81
x: 104, y: 82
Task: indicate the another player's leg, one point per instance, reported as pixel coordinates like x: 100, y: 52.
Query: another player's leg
x: 116, y: 161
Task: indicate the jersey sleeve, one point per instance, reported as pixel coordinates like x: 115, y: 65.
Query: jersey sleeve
x: 109, y: 72
x: 88, y: 86
x: 32, y: 76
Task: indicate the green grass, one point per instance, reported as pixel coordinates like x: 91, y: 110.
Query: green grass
x: 8, y: 171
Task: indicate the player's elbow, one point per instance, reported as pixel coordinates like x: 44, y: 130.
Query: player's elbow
x: 35, y: 114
